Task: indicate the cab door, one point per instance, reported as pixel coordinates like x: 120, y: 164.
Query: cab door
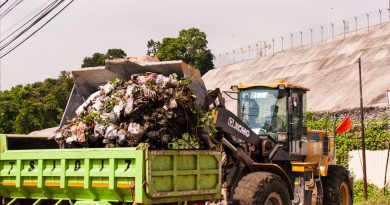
x: 297, y: 129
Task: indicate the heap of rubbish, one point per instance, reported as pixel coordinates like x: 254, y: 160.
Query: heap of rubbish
x: 148, y: 108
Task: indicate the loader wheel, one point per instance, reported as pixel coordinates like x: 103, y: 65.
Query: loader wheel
x: 337, y: 186
x: 261, y: 188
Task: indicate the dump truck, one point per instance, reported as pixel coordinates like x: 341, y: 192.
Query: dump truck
x: 269, y: 156
x: 34, y: 170
x: 135, y: 174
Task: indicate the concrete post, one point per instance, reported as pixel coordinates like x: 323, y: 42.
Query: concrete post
x: 332, y: 30
x: 311, y: 36
x: 273, y: 46
x: 344, y: 22
x: 300, y: 32
x: 356, y: 20
x: 249, y: 50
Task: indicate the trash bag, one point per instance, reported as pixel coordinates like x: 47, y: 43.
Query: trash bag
x: 148, y: 108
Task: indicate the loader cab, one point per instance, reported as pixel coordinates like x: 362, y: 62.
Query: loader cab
x: 277, y: 110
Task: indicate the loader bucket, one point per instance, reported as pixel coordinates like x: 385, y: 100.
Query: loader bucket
x: 87, y: 80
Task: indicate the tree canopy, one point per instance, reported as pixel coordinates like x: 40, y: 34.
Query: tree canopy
x: 34, y: 106
x: 190, y: 46
x: 99, y: 59
x: 40, y: 105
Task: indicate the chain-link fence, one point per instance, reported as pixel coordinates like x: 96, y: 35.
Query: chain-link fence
x: 335, y: 30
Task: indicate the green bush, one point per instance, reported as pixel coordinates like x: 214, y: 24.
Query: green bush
x: 375, y: 196
x: 376, y: 134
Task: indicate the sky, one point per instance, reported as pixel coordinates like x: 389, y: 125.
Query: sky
x: 90, y: 26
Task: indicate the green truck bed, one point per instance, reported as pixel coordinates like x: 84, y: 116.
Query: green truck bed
x: 107, y: 174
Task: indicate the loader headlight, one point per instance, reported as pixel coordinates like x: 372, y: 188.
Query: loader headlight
x: 282, y: 136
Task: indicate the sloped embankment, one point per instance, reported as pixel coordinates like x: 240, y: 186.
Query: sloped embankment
x: 329, y: 69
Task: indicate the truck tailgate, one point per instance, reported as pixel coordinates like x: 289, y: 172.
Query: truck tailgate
x: 173, y: 173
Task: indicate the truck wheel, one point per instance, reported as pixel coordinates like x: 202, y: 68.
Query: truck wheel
x: 261, y: 188
x: 337, y: 186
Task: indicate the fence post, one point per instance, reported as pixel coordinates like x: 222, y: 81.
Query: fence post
x: 344, y: 27
x: 265, y: 48
x: 273, y: 46
x: 388, y: 10
x: 228, y: 57
x: 300, y: 32
x: 249, y: 50
x: 242, y: 54
x: 380, y: 17
x: 234, y: 56
x: 332, y: 24
x: 368, y: 21
x: 322, y: 33
x: 356, y: 20
x: 311, y: 36
x: 292, y: 41
x: 257, y: 50
x: 282, y: 41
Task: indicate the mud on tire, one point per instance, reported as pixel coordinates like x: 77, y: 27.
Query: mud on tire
x: 337, y: 186
x: 256, y: 188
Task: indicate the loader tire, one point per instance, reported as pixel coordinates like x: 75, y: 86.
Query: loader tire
x: 337, y: 186
x: 261, y: 188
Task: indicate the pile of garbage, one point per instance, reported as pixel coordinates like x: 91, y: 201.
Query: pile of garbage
x: 149, y: 108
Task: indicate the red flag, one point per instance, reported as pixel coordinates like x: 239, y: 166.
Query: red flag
x: 344, y: 126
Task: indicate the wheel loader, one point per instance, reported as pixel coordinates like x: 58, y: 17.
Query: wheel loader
x: 268, y: 154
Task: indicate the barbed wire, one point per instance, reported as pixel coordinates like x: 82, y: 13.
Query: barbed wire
x: 343, y: 28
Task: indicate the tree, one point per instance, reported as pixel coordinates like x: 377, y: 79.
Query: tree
x: 190, y: 46
x: 115, y: 53
x: 99, y: 59
x: 152, y: 47
x: 30, y: 118
x: 35, y: 106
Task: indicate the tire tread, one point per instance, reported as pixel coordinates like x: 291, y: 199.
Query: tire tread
x: 331, y: 183
x: 254, y: 187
